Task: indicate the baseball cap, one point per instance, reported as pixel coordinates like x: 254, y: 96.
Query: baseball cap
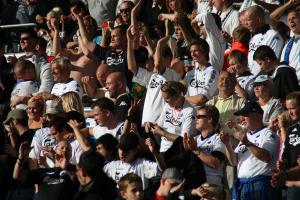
x: 262, y: 79
x: 250, y: 107
x: 53, y: 107
x: 172, y: 173
x: 16, y: 114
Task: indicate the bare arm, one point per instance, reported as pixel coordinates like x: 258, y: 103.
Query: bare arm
x: 157, y: 130
x: 231, y: 156
x: 270, y: 7
x: 278, y: 12
x: 131, y: 62
x: 80, y: 138
x: 56, y: 47
x: 159, y: 160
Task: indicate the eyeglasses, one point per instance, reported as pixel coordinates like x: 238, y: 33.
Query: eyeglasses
x: 201, y: 116
x: 125, y: 10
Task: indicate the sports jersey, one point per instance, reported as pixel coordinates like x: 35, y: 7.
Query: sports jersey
x: 41, y: 138
x: 250, y: 166
x: 229, y: 20
x: 214, y: 38
x: 202, y: 81
x: 176, y: 121
x: 98, y: 131
x: 294, y: 56
x: 143, y: 168
x: 24, y: 88
x: 70, y: 86
x: 291, y: 150
x: 267, y: 37
x: 212, y: 145
x: 154, y: 101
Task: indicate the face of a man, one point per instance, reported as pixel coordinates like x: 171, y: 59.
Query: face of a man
x: 294, y: 22
x: 99, y: 116
x: 178, y: 33
x: 264, y: 64
x: 218, y: 4
x: 116, y: 38
x: 226, y: 82
x: 27, y: 43
x: 293, y: 109
x: 250, y: 21
x: 127, y: 156
x: 197, y: 53
x: 112, y: 86
x: 125, y: 11
x: 58, y: 73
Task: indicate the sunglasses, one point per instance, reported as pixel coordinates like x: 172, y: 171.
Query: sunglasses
x: 201, y: 116
x: 125, y: 10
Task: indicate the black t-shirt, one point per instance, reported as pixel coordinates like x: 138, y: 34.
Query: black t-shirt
x: 54, y: 184
x: 116, y: 60
x: 26, y: 136
x: 292, y: 145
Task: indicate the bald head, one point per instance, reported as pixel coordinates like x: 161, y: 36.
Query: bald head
x: 102, y: 72
x: 116, y: 84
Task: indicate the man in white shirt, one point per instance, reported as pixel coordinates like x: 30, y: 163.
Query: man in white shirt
x: 262, y: 35
x: 202, y: 80
x: 255, y: 156
x: 60, y: 69
x: 290, y: 53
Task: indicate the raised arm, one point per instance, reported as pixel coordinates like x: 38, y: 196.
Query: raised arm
x: 56, y: 47
x: 231, y: 156
x: 80, y: 138
x: 131, y: 62
x: 278, y: 12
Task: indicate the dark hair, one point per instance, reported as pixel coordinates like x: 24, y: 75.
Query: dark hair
x: 128, y: 141
x: 127, y: 179
x: 60, y: 124
x: 123, y: 29
x: 239, y: 56
x: 173, y: 88
x: 105, y: 104
x: 91, y: 162
x: 263, y: 52
x: 166, y: 52
x: 130, y: 3
x: 108, y: 141
x: 80, y: 5
x: 292, y: 9
x: 213, y: 112
x: 31, y: 32
x: 141, y: 55
x: 203, y: 45
x: 294, y: 96
x: 242, y: 35
x: 74, y: 115
x: 257, y: 11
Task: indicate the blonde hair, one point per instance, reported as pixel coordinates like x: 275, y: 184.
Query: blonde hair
x: 286, y: 118
x: 71, y: 102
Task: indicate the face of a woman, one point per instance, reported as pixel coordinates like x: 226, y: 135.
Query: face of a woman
x: 34, y: 111
x: 172, y: 4
x: 261, y: 90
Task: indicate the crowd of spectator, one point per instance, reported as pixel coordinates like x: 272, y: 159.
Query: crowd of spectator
x: 151, y: 99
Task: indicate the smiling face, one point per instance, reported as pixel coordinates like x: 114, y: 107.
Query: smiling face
x: 125, y: 12
x: 34, y: 110
x: 197, y: 54
x: 226, y: 82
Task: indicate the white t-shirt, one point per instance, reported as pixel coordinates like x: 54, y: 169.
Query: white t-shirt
x: 176, y: 122
x: 76, y: 151
x: 211, y: 144
x: 154, y: 101
x: 98, y: 131
x: 203, y: 6
x: 61, y: 88
x: 41, y: 138
x: 202, y: 81
x: 143, y: 168
x: 270, y: 38
x: 249, y: 165
x: 215, y: 40
x: 246, y: 83
x: 24, y: 88
x: 294, y: 57
x: 230, y: 20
